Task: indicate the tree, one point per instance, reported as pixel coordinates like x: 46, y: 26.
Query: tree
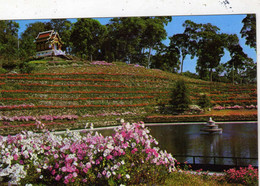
x: 181, y: 41
x: 250, y: 73
x: 8, y: 40
x: 132, y: 39
x: 166, y: 58
x: 27, y: 44
x: 209, y: 46
x: 180, y: 99
x: 124, y: 37
x: 239, y: 59
x: 154, y: 33
x: 249, y: 30
x: 86, y: 37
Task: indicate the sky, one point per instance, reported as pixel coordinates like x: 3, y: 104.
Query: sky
x: 230, y: 24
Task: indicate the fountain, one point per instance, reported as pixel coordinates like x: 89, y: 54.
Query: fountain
x: 211, y: 127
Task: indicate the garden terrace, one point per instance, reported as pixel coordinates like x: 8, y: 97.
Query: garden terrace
x: 98, y: 92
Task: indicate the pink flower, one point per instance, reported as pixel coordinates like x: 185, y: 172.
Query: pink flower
x: 109, y: 157
x: 84, y: 180
x: 58, y: 177
x: 97, y: 162
x: 53, y: 172
x: 134, y: 150
x: 70, y: 176
x: 88, y: 165
x: 56, y: 166
x: 63, y: 169
x: 15, y: 157
x: 66, y: 181
x: 85, y: 170
x: 75, y: 174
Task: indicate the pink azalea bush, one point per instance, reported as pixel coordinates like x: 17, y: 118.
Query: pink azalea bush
x: 129, y: 156
x: 101, y: 63
x: 247, y: 175
x: 235, y: 107
x: 43, y: 117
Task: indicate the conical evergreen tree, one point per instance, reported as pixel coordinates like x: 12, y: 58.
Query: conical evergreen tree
x: 180, y: 99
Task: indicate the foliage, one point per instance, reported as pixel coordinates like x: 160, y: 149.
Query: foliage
x: 153, y: 34
x: 123, y: 42
x: 132, y: 39
x: 8, y: 40
x: 188, y: 178
x: 166, y: 58
x: 129, y: 156
x: 190, y: 75
x: 27, y: 67
x: 209, y: 44
x: 2, y: 70
x: 204, y: 101
x: 86, y: 38
x: 223, y: 115
x: 239, y: 61
x: 246, y: 176
x: 180, y: 97
x: 248, y: 30
x: 183, y: 45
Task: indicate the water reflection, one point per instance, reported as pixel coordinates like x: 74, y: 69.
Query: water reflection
x: 237, y: 140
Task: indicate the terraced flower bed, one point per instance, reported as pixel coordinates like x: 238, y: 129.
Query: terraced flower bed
x: 97, y: 89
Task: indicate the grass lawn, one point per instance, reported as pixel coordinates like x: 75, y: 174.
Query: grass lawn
x: 178, y: 178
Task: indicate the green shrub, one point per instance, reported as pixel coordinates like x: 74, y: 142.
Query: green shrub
x: 26, y: 67
x: 9, y: 64
x: 120, y: 63
x: 2, y: 71
x: 204, y: 101
x: 37, y: 62
x: 180, y: 99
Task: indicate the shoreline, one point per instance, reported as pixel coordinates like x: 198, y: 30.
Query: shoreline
x: 158, y: 124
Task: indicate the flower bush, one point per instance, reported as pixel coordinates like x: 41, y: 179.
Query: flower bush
x: 129, y: 156
x: 43, y: 117
x: 101, y: 63
x: 235, y: 107
x: 247, y: 175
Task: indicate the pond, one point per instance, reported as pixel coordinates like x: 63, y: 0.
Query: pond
x: 237, y: 140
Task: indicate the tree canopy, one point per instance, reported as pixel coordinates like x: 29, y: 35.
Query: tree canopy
x: 248, y: 30
x: 8, y: 40
x: 86, y: 37
x: 140, y: 40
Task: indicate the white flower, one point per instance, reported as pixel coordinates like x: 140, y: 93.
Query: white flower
x: 108, y: 174
x: 127, y: 176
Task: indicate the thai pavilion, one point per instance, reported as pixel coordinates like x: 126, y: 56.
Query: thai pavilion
x: 48, y: 43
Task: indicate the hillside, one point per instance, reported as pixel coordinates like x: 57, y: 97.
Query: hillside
x: 69, y: 94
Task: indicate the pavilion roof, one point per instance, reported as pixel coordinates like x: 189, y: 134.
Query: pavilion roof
x: 47, y: 36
